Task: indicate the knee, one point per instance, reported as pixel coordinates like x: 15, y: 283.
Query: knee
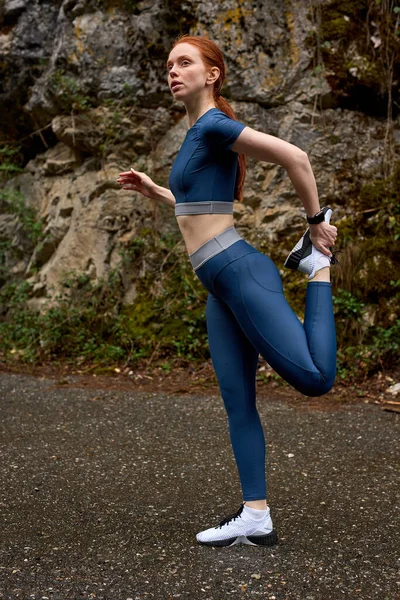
x: 318, y: 388
x: 240, y: 408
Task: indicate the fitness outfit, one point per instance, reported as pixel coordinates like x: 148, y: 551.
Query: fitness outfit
x: 247, y: 313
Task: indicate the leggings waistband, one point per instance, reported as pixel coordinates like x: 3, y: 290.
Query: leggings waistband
x: 214, y: 246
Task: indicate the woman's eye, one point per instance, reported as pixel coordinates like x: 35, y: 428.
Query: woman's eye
x: 184, y: 61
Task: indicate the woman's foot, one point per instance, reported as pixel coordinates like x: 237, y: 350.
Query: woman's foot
x: 246, y: 526
x: 305, y: 257
x: 314, y: 262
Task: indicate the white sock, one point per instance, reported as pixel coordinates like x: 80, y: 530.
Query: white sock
x: 321, y: 261
x: 256, y: 513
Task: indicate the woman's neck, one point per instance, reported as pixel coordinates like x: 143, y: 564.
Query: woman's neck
x: 194, y: 113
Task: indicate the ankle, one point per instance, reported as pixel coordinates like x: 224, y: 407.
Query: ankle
x: 323, y: 274
x: 257, y: 504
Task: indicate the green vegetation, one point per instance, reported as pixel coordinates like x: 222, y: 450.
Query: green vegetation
x: 11, y: 161
x: 356, y: 48
x: 28, y: 225
x: 81, y: 325
x: 168, y: 315
x: 87, y: 322
x: 367, y: 287
x: 110, y: 123
x: 356, y: 45
x: 69, y: 94
x: 12, y: 202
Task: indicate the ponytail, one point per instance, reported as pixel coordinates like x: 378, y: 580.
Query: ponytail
x: 224, y: 105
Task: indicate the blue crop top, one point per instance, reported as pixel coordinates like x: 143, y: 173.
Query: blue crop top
x: 203, y: 175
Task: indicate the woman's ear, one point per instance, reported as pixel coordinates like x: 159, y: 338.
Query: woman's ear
x: 213, y: 75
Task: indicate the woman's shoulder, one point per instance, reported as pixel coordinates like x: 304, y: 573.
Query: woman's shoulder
x: 215, y: 118
x: 218, y: 127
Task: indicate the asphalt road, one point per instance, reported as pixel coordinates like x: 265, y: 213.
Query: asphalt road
x: 103, y: 491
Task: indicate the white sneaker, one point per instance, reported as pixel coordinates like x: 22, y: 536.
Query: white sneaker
x: 305, y: 257
x: 241, y: 528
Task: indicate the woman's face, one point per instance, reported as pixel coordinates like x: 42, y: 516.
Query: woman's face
x: 186, y: 66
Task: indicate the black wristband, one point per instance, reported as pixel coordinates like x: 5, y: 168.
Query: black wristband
x: 317, y: 218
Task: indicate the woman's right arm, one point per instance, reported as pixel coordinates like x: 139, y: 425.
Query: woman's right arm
x: 164, y: 195
x: 140, y: 182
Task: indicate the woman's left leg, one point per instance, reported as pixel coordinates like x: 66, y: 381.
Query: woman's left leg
x: 304, y: 355
x: 235, y: 363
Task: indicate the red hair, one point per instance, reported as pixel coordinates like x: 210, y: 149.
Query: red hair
x: 213, y: 57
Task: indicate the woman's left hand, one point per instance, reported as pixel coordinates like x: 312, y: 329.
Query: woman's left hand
x: 323, y: 236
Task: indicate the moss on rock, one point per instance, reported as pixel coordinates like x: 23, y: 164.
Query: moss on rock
x: 355, y: 68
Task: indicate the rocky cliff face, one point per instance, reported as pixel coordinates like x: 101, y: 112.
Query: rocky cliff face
x: 84, y: 91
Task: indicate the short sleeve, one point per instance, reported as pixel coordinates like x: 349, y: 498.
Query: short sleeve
x: 221, y: 131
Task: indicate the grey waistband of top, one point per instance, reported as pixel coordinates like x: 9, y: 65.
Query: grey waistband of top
x: 202, y: 208
x: 214, y: 246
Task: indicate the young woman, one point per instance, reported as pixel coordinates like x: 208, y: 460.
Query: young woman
x: 247, y: 313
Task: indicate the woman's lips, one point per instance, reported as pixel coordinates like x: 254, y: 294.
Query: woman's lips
x: 176, y: 85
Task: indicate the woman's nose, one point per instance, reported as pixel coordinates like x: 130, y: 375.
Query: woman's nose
x: 173, y: 72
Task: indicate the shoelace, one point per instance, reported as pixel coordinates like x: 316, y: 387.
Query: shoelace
x: 333, y: 259
x: 231, y: 518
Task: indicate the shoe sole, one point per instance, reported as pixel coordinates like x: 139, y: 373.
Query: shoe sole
x: 251, y: 540
x: 294, y: 258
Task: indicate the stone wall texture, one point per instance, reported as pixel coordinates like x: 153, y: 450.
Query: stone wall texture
x: 84, y: 84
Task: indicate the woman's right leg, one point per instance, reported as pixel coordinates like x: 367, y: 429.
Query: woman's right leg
x: 235, y: 363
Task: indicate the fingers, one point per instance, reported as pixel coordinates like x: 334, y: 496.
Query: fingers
x: 128, y: 178
x: 326, y: 251
x: 128, y: 172
x: 124, y: 180
x: 333, y: 230
x: 324, y: 246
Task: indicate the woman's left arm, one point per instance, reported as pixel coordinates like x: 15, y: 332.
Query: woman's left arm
x: 269, y: 148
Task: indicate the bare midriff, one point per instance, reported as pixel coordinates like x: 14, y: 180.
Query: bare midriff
x: 198, y: 229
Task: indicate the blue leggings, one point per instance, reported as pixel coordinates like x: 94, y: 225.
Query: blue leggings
x: 247, y: 315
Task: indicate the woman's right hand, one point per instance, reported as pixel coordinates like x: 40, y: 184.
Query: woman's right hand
x: 137, y: 181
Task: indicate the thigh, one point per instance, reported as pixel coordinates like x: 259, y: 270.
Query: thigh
x: 233, y: 356
x: 252, y: 287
